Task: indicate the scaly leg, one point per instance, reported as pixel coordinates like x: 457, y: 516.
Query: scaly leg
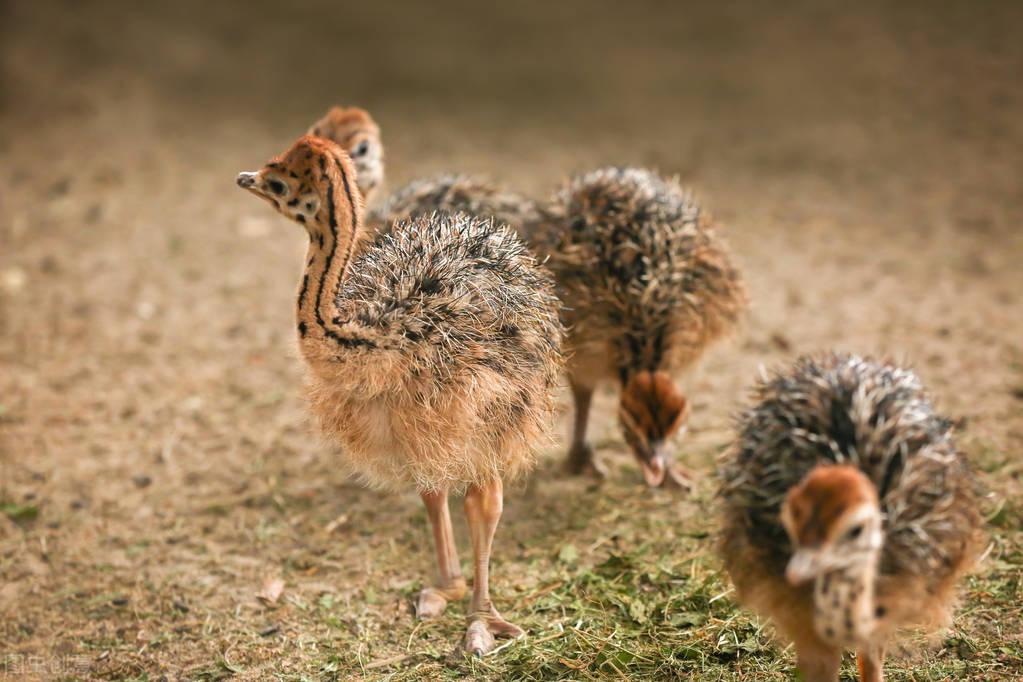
x: 483, y: 505
x: 433, y: 600
x: 871, y: 663
x: 580, y: 455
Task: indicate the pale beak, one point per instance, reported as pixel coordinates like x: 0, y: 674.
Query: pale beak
x: 654, y: 470
x: 660, y: 469
x: 803, y: 566
x: 247, y: 180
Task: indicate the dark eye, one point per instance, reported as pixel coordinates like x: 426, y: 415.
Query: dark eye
x: 276, y: 186
x: 854, y: 532
x: 361, y: 149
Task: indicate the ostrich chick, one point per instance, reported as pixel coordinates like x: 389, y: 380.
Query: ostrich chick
x: 848, y: 512
x: 432, y: 356
x: 355, y: 131
x: 647, y: 285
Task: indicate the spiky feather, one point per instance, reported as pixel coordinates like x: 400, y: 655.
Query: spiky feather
x: 450, y: 193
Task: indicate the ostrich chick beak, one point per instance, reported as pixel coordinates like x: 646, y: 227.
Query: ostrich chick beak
x: 802, y: 567
x: 654, y: 470
x: 247, y: 180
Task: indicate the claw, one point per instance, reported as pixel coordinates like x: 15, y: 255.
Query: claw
x: 431, y: 603
x: 478, y: 638
x: 434, y: 600
x: 484, y: 627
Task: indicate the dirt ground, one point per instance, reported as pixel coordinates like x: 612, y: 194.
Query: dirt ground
x: 156, y: 463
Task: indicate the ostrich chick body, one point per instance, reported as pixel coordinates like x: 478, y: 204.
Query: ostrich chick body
x: 647, y: 285
x: 432, y: 355
x: 848, y: 512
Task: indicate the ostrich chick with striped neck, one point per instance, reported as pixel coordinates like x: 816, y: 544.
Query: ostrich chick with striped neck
x: 849, y: 513
x: 432, y: 356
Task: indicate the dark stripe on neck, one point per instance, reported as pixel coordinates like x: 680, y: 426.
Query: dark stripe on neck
x: 355, y: 213
x: 305, y: 286
x: 332, y: 221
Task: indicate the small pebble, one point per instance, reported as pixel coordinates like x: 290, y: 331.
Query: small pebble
x: 141, y: 480
x: 13, y: 280
x: 145, y: 309
x: 192, y: 404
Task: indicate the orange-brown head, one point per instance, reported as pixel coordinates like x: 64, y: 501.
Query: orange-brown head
x: 312, y: 183
x: 652, y: 411
x: 358, y: 134
x: 833, y: 518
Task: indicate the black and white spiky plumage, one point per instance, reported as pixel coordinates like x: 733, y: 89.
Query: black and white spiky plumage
x: 456, y: 288
x: 450, y: 193
x: 875, y: 416
x: 641, y: 270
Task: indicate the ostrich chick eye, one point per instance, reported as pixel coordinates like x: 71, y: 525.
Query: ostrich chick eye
x: 276, y: 186
x: 854, y: 532
x: 362, y: 148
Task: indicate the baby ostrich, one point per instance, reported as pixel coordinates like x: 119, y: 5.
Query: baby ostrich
x: 848, y: 510
x: 647, y: 285
x: 432, y: 356
x: 355, y: 131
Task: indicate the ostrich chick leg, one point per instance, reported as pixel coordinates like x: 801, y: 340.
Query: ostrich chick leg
x: 871, y: 664
x: 433, y: 600
x: 580, y: 456
x: 483, y: 505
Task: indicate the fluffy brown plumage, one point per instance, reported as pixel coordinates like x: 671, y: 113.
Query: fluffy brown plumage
x: 465, y: 326
x: 647, y: 285
x: 825, y: 443
x: 433, y: 354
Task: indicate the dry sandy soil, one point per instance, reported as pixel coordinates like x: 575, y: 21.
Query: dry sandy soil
x: 156, y: 464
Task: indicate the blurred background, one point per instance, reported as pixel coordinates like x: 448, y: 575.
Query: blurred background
x: 865, y: 162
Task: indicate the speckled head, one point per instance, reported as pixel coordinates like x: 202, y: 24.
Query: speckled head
x: 309, y: 183
x: 355, y: 131
x: 653, y: 412
x: 833, y: 519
